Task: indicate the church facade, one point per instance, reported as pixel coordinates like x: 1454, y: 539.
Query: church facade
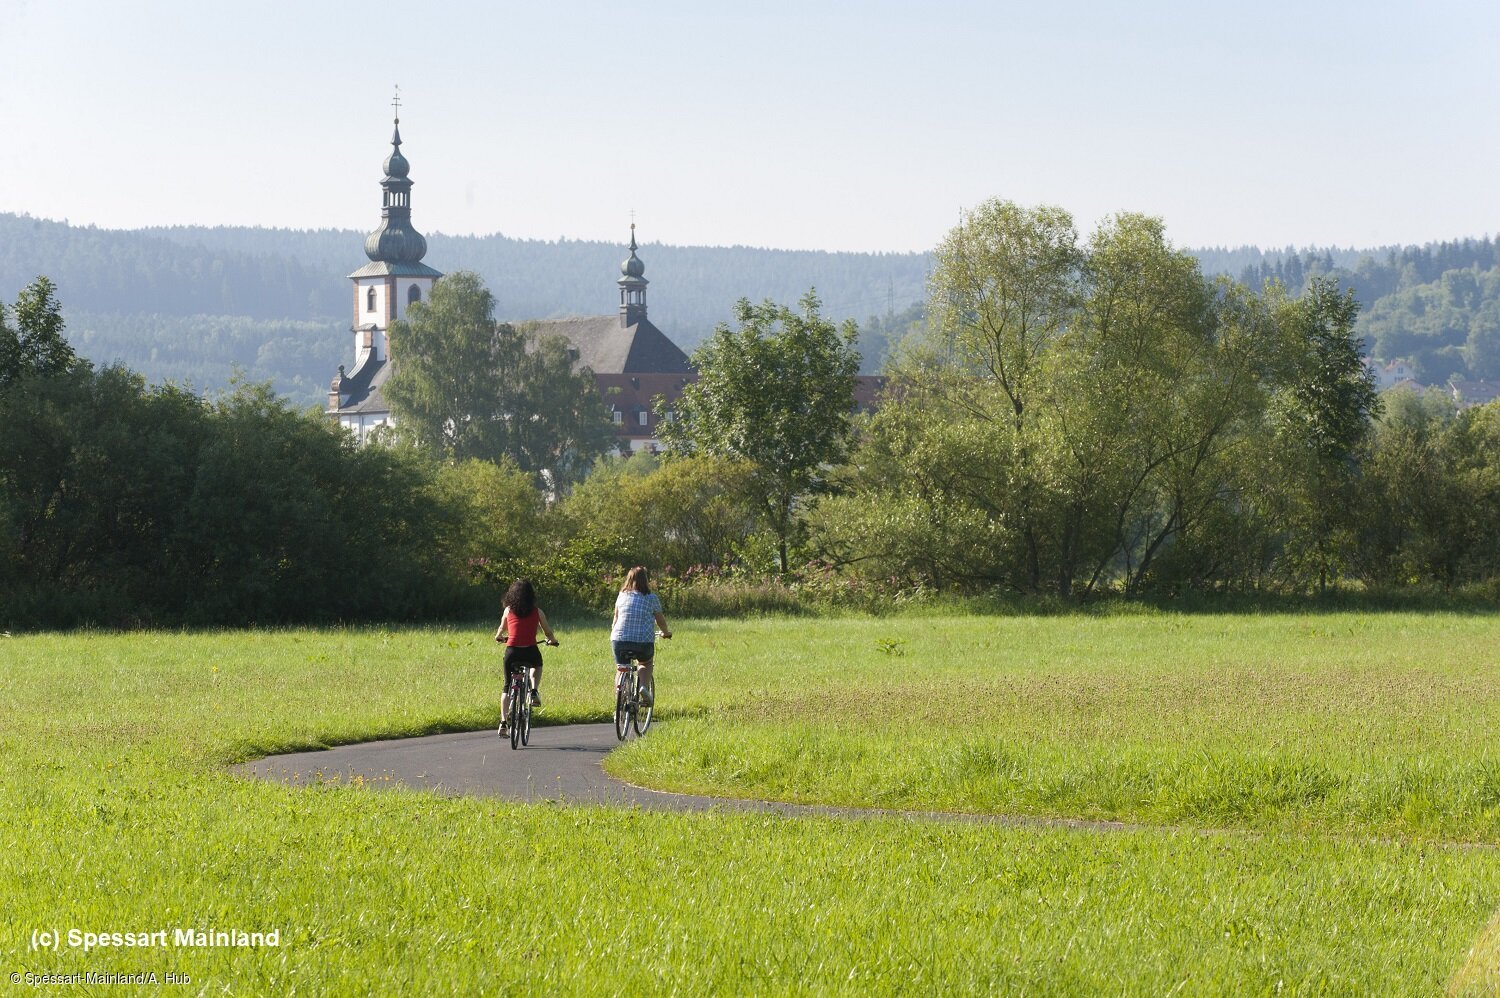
x: 633, y: 362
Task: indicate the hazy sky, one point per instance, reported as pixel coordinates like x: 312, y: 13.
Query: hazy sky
x: 807, y: 124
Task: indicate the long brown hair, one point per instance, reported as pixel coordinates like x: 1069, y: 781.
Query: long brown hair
x: 637, y: 580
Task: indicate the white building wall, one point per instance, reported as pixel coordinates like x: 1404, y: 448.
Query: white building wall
x: 403, y: 292
x: 361, y: 308
x: 364, y: 316
x: 362, y: 424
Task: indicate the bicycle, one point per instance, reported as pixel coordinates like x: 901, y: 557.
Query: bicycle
x: 518, y: 689
x: 631, y: 709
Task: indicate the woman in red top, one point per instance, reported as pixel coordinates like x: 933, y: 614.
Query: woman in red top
x: 518, y: 623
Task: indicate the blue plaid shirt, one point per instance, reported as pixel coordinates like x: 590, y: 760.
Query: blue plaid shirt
x: 635, y: 617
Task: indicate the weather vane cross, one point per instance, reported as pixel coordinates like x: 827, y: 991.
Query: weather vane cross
x: 396, y: 102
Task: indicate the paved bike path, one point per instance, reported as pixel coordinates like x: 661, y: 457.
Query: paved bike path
x: 563, y: 763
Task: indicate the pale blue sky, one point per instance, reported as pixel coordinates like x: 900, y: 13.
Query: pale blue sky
x: 808, y: 125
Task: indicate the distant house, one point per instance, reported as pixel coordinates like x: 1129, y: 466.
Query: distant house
x: 1391, y: 374
x: 867, y: 392
x: 1471, y: 393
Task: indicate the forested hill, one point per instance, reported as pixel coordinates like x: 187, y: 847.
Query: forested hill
x: 194, y: 304
x: 300, y: 274
x: 1437, y: 306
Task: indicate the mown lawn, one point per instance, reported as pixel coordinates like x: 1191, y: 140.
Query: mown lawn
x: 1343, y: 744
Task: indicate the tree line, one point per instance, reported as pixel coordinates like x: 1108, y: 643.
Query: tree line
x: 1071, y: 417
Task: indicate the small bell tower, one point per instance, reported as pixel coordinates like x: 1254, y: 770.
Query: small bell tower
x: 632, y: 287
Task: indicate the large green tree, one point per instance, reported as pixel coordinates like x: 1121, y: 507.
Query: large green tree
x: 1413, y: 514
x: 468, y: 387
x: 1071, y: 418
x: 1321, y: 410
x: 778, y: 393
x: 1005, y: 286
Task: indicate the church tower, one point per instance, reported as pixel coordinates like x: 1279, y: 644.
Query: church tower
x: 395, y: 277
x: 632, y: 287
x: 384, y: 290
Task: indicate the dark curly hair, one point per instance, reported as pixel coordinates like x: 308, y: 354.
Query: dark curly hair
x: 520, y: 598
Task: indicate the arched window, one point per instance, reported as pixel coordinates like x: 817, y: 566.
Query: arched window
x: 370, y: 300
x: 413, y: 294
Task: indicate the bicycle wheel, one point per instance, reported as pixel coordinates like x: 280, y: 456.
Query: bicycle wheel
x: 644, y: 707
x: 517, y: 695
x: 622, y: 708
x: 526, y: 714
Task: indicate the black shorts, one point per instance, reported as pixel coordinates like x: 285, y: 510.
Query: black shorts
x: 518, y: 657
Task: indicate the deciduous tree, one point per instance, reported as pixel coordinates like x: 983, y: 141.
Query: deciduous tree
x: 1323, y: 399
x: 776, y: 392
x: 35, y: 345
x: 466, y: 386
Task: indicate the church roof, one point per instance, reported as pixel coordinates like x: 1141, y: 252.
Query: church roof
x: 383, y: 268
x: 363, y: 387
x: 606, y: 347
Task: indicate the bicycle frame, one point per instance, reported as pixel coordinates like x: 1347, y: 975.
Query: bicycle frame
x: 630, y: 712
x: 518, y: 716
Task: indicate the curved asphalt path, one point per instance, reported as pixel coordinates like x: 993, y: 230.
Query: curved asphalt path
x: 563, y: 763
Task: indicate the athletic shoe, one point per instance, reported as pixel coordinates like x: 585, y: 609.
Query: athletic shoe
x: 504, y: 731
x: 536, y: 699
x: 648, y: 696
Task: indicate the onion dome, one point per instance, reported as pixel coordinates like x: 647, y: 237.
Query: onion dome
x: 396, y: 166
x: 395, y: 244
x: 396, y: 241
x: 633, y: 267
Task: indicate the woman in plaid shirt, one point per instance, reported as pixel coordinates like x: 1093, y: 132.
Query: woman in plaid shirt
x: 633, y: 634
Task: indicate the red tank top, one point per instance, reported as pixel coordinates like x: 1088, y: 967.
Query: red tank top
x: 521, y: 631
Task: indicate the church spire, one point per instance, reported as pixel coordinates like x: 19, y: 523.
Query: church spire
x: 632, y: 286
x: 396, y: 241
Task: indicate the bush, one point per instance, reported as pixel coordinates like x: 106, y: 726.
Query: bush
x: 124, y: 505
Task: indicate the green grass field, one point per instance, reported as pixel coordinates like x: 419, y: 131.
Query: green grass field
x: 1318, y: 795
